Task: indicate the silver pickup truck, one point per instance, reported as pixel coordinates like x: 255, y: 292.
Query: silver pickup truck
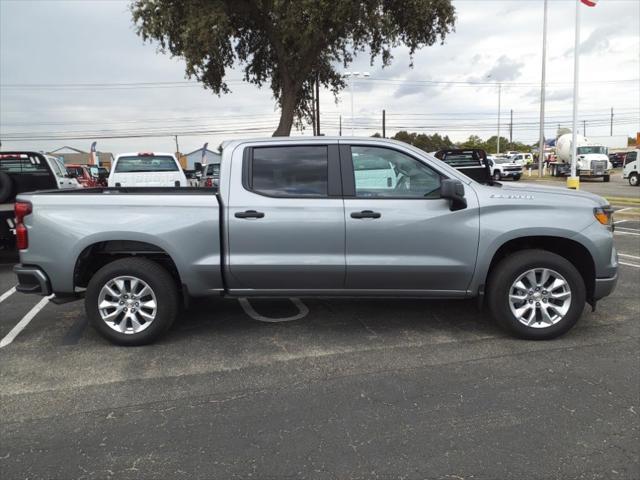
x: 319, y: 217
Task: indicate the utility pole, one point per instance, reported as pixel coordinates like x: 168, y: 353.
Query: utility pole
x: 384, y: 124
x: 542, y: 90
x: 351, y: 76
x: 584, y: 128
x: 511, y: 127
x: 611, y: 128
x: 340, y: 131
x: 318, y: 103
x: 177, y: 148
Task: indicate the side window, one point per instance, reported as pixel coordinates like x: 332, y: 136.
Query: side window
x: 209, y: 169
x: 295, y: 171
x: 631, y: 156
x: 385, y: 173
x: 55, y: 166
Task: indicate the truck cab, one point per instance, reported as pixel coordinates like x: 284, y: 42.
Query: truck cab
x: 631, y: 170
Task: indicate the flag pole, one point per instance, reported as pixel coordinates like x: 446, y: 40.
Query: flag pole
x: 573, y: 181
x: 542, y: 90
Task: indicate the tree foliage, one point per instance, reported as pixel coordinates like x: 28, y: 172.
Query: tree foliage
x: 432, y: 143
x: 285, y: 44
x: 428, y: 143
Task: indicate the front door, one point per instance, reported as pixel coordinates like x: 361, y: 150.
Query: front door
x: 286, y: 219
x: 400, y: 235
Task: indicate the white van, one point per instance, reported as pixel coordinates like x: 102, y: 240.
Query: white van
x: 146, y: 169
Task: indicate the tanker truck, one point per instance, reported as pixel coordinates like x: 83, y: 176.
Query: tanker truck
x: 592, y: 159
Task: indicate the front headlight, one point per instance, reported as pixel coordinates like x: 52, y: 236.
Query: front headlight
x: 604, y: 215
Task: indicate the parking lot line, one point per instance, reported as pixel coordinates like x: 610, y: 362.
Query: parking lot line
x: 627, y: 255
x: 24, y: 322
x: 626, y: 233
x: 629, y: 264
x: 7, y: 294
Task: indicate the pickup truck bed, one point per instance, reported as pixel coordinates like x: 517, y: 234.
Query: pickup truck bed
x: 183, y: 223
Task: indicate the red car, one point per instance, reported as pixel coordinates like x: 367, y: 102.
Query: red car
x: 88, y: 176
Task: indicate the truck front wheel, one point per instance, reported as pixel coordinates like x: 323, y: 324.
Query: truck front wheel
x: 132, y: 301
x: 496, y: 176
x: 536, y: 294
x: 634, y: 180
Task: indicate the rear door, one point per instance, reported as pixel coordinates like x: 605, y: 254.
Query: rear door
x: 400, y: 235
x: 286, y: 219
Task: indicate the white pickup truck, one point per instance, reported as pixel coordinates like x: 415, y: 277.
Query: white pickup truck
x: 147, y: 169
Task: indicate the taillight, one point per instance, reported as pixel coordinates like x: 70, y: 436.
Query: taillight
x: 22, y: 209
x: 208, y: 183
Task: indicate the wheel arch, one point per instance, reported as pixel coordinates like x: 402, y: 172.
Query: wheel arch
x: 572, y: 250
x: 98, y: 254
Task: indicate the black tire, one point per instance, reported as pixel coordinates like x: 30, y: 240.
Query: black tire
x: 516, y: 178
x: 157, y: 278
x: 606, y: 178
x: 496, y: 176
x: 507, y: 272
x: 634, y: 179
x: 6, y: 187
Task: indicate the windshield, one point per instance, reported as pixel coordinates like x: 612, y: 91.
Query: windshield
x: 146, y: 163
x: 592, y: 149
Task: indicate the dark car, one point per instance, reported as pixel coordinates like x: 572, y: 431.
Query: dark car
x: 20, y: 172
x: 617, y: 159
x: 470, y: 161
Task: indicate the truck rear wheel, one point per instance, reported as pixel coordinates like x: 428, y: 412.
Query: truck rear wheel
x: 132, y: 301
x: 536, y: 294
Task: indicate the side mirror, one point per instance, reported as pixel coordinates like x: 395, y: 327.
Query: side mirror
x: 453, y: 190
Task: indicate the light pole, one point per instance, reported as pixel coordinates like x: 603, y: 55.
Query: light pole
x: 351, y: 76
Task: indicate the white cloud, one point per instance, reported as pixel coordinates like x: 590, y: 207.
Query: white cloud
x: 94, y: 42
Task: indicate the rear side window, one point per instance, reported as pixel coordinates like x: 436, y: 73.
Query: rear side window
x: 466, y: 159
x: 21, y: 164
x: 146, y: 163
x: 295, y: 171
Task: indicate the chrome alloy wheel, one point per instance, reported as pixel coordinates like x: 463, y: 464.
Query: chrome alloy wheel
x: 127, y: 304
x: 540, y: 298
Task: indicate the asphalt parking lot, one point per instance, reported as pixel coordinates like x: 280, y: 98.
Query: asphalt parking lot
x: 353, y: 389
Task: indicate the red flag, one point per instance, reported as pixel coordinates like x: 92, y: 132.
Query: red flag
x: 589, y: 3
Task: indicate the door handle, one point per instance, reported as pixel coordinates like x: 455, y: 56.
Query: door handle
x: 249, y: 214
x: 366, y: 214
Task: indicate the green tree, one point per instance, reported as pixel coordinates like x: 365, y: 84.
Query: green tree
x: 287, y: 44
x: 428, y: 143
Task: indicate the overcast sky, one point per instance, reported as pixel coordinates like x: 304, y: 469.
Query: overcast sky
x: 61, y: 63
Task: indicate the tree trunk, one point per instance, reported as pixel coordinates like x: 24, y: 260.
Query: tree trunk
x: 287, y: 111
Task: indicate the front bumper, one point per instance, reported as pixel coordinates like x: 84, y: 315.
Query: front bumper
x: 32, y: 280
x: 604, y: 287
